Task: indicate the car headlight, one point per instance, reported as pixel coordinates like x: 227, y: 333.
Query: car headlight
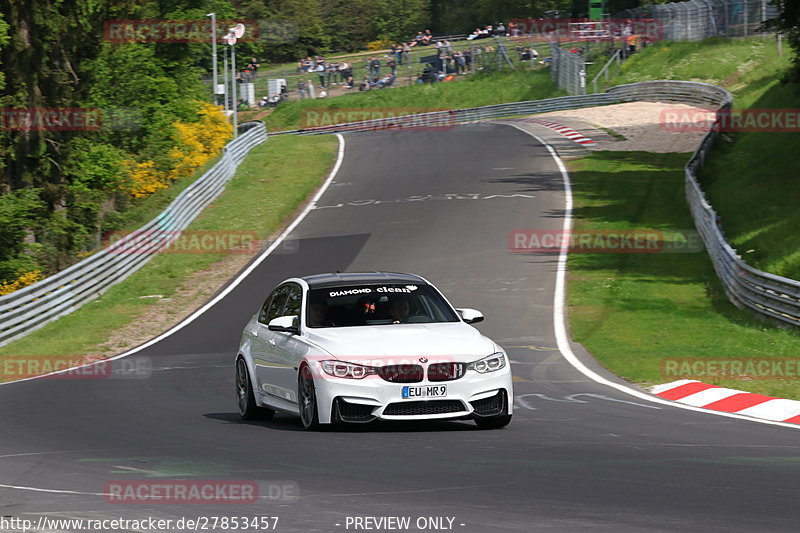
x: 342, y: 369
x: 491, y: 363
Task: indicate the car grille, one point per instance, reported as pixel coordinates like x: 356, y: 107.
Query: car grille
x: 432, y: 407
x: 490, y: 406
x: 446, y: 371
x: 401, y: 373
x: 354, y: 412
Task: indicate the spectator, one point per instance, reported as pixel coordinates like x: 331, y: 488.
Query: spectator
x: 345, y: 71
x: 252, y: 66
x: 330, y: 73
x: 407, y: 52
x: 310, y: 89
x: 392, y: 64
x: 461, y: 62
x: 501, y: 30
x: 319, y: 68
x: 301, y: 89
x: 374, y: 67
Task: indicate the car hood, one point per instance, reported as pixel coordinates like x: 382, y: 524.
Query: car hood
x: 452, y: 341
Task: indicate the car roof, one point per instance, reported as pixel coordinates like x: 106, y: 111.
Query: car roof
x: 338, y: 279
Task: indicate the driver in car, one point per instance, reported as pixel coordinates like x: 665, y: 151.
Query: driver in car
x: 399, y: 309
x: 317, y: 310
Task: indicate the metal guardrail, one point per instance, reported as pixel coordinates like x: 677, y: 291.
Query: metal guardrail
x: 769, y: 295
x: 615, y: 57
x: 30, y: 308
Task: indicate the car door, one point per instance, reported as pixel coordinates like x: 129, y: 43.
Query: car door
x: 272, y: 357
x: 264, y: 339
x: 285, y: 359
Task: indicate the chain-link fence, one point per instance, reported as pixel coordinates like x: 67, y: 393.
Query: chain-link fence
x: 678, y: 21
x: 698, y: 19
x: 568, y: 70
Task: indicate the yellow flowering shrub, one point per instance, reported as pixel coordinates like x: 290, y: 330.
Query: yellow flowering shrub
x: 196, y: 143
x: 199, y: 142
x: 380, y: 44
x: 23, y: 280
x: 144, y: 179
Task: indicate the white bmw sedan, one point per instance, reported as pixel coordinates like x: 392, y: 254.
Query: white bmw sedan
x: 358, y: 347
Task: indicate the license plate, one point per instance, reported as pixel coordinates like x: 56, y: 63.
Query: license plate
x: 425, y: 391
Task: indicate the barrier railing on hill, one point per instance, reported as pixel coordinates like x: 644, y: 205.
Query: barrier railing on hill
x: 30, y: 308
x: 769, y: 295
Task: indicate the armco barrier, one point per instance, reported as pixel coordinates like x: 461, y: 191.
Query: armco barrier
x: 30, y: 308
x: 771, y: 296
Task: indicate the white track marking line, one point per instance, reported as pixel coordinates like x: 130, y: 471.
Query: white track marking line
x: 260, y: 259
x: 560, y: 318
x: 53, y: 491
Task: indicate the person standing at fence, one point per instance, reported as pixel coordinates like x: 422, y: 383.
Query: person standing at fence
x: 407, y: 52
x: 374, y: 68
x: 301, y: 89
x: 632, y: 42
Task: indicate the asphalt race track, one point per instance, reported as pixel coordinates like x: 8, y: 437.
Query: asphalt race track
x: 578, y: 455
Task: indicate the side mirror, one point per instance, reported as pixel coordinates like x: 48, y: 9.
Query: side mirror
x: 287, y: 324
x: 470, y: 316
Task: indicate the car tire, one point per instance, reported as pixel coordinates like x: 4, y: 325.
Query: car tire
x: 246, y: 399
x: 307, y: 394
x: 493, y: 422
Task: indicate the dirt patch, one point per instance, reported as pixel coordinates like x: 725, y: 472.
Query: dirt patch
x: 641, y: 123
x: 165, y: 313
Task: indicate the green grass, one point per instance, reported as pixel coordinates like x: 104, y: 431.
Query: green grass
x: 288, y: 71
x: 478, y: 90
x: 269, y: 185
x: 749, y: 177
x: 746, y: 67
x: 753, y: 185
x: 634, y: 311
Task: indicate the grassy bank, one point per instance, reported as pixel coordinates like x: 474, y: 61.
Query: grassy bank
x: 481, y: 89
x: 267, y: 188
x: 636, y: 311
x: 751, y: 181
x: 746, y: 67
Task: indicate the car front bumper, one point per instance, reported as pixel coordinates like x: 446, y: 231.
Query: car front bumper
x: 363, y: 400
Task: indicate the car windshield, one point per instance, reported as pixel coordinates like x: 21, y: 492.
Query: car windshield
x: 373, y: 305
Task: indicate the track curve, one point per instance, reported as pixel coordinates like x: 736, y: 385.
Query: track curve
x: 577, y: 456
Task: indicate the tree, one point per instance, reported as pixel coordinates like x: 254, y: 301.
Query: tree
x: 789, y: 24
